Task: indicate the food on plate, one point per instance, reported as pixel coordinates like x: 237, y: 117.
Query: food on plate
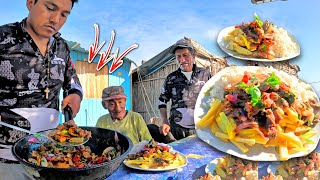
x: 209, y: 176
x: 263, y: 106
x: 155, y: 156
x: 230, y: 167
x: 69, y: 132
x: 271, y: 176
x: 57, y: 156
x: 298, y: 168
x: 260, y: 40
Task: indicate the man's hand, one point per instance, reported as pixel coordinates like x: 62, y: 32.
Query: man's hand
x: 164, y: 129
x: 72, y: 100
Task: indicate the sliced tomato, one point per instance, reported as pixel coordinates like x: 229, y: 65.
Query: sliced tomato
x: 246, y: 78
x: 76, y: 159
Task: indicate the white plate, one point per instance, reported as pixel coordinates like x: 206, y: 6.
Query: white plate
x: 140, y: 145
x: 223, y: 45
x: 257, y: 152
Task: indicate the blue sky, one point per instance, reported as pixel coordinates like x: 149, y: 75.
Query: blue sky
x: 155, y: 25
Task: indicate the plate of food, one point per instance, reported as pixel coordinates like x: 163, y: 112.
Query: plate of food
x: 258, y: 113
x: 153, y: 156
x: 258, y: 41
x: 297, y: 168
x: 231, y: 167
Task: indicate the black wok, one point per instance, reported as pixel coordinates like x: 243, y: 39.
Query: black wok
x: 101, y: 138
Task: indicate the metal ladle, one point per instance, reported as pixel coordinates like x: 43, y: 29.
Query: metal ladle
x: 37, y: 135
x: 24, y: 130
x: 68, y: 116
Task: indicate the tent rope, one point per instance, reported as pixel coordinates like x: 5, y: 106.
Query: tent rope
x: 143, y: 89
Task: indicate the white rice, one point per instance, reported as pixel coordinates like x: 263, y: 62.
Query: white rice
x: 284, y: 46
x: 302, y: 90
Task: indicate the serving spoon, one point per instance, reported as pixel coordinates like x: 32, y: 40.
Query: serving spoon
x: 37, y: 135
x: 68, y: 116
x: 24, y: 130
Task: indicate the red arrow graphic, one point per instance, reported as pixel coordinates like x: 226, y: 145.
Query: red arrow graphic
x: 93, y: 50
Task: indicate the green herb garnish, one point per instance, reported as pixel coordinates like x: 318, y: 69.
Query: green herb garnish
x: 243, y: 85
x: 273, y: 80
x: 255, y: 93
x: 264, y: 47
x: 256, y: 17
x: 260, y: 105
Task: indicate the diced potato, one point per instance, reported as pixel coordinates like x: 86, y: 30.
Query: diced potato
x: 247, y: 133
x: 240, y: 145
x: 221, y: 125
x: 241, y: 50
x: 260, y: 140
x: 230, y: 45
x: 283, y: 151
x: 292, y: 151
x: 292, y: 138
x: 308, y: 134
x: 280, y: 111
x: 253, y: 134
x: 239, y: 41
x: 302, y: 129
x: 291, y: 127
x: 292, y: 114
x: 247, y: 141
x: 221, y: 135
x: 209, y: 117
x: 236, y: 32
x: 228, y: 38
x: 246, y: 43
x: 215, y: 129
x: 229, y: 124
x: 272, y: 143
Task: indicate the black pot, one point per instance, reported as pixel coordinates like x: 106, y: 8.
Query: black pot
x: 101, y: 138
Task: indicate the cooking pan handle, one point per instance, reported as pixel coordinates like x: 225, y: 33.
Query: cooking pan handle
x: 67, y: 111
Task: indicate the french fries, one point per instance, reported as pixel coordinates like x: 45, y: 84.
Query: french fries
x: 207, y: 119
x: 171, y: 160
x: 292, y: 135
x: 154, y: 156
x: 238, y: 42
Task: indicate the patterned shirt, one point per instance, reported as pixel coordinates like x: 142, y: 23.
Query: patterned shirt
x: 183, y: 95
x: 24, y: 76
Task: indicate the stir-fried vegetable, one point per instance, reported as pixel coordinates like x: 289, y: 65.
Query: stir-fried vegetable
x: 258, y: 20
x: 69, y: 132
x: 57, y: 156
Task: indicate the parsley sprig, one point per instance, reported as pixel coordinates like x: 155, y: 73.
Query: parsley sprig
x: 256, y: 17
x: 273, y: 80
x: 254, y: 92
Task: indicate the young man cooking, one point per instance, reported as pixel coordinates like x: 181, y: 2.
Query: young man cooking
x: 35, y: 64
